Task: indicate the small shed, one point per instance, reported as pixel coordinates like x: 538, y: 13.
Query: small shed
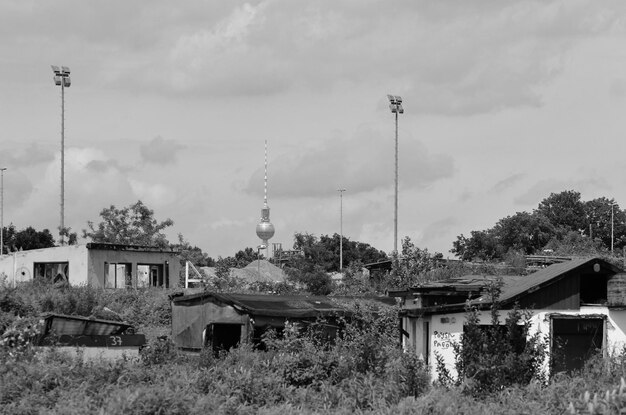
x: 99, y: 338
x: 224, y: 320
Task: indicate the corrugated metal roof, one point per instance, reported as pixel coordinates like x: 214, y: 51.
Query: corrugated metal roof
x: 61, y: 324
x: 279, y: 305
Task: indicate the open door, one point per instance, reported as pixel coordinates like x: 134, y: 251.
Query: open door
x: 222, y: 336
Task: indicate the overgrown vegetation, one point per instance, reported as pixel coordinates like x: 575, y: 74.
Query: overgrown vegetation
x: 362, y: 371
x: 491, y: 357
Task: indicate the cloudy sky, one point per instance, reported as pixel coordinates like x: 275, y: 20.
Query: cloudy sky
x: 171, y: 103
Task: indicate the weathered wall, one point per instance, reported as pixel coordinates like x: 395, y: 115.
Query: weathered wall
x: 98, y: 258
x: 190, y: 320
x: 19, y: 266
x: 444, y: 329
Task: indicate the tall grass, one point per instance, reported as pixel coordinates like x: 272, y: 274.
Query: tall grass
x: 362, y: 371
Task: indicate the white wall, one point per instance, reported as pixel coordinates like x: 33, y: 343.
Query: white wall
x: 19, y: 266
x: 447, y: 328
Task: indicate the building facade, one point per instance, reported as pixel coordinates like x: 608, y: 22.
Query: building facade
x: 579, y: 306
x: 98, y: 265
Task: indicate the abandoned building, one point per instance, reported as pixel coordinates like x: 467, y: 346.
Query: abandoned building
x: 222, y: 321
x: 579, y: 304
x: 99, y: 265
x: 97, y: 338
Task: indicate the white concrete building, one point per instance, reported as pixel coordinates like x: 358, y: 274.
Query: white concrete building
x: 95, y: 264
x: 580, y: 304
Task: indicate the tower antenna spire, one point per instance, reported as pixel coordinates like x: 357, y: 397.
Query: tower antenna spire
x: 265, y: 177
x: 265, y: 229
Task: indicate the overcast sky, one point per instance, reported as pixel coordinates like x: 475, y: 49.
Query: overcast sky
x: 171, y: 103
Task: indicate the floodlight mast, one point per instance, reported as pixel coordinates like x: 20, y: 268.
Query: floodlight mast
x: 395, y: 105
x: 341, y: 228
x: 2, y: 169
x: 62, y: 79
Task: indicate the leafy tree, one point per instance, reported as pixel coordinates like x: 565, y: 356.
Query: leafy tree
x: 599, y: 222
x: 525, y: 232
x: 28, y: 238
x: 132, y: 225
x: 555, y: 220
x: 245, y: 257
x: 325, y: 251
x: 564, y: 210
x: 480, y: 245
x: 413, y: 266
x: 192, y: 254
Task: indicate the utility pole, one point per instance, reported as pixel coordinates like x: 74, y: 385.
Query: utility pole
x: 341, y: 228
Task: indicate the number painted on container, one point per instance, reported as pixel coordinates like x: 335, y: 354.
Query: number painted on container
x: 115, y: 340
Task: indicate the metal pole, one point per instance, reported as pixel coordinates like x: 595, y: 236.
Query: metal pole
x: 341, y: 228
x: 613, y: 204
x: 395, y: 217
x: 2, y: 210
x: 62, y: 227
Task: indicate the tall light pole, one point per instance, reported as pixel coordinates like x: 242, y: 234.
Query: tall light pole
x: 395, y: 104
x: 2, y: 169
x: 612, y: 221
x: 341, y: 228
x: 62, y: 78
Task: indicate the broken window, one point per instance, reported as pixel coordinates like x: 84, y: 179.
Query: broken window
x: 152, y: 275
x: 52, y: 271
x: 593, y: 289
x: 574, y: 340
x: 118, y: 275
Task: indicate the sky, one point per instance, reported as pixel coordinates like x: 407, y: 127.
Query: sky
x: 171, y: 103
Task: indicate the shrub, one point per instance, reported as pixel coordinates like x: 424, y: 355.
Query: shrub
x: 496, y: 356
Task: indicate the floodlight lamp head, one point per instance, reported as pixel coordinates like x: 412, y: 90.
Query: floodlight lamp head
x: 55, y: 69
x: 57, y: 79
x: 67, y: 81
x: 65, y: 69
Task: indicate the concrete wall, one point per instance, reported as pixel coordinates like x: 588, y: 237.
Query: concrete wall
x: 85, y: 267
x: 445, y: 329
x: 98, y: 258
x: 19, y: 266
x: 190, y: 320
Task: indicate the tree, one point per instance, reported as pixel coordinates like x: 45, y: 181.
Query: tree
x: 599, y: 222
x: 565, y: 211
x: 525, y: 232
x: 245, y: 257
x: 556, y: 219
x: 192, y: 254
x: 28, y: 238
x: 412, y: 267
x: 132, y: 225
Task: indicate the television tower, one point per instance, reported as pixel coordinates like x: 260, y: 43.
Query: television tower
x: 265, y: 230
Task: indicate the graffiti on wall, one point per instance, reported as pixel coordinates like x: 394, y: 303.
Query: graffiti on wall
x: 443, y: 339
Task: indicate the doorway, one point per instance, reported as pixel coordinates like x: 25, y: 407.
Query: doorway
x: 222, y: 336
x: 574, y: 340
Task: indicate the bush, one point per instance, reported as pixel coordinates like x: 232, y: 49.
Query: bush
x: 497, y: 356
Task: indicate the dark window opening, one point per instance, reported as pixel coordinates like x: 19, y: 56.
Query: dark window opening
x: 593, y: 289
x: 52, y: 271
x: 574, y: 341
x: 222, y: 337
